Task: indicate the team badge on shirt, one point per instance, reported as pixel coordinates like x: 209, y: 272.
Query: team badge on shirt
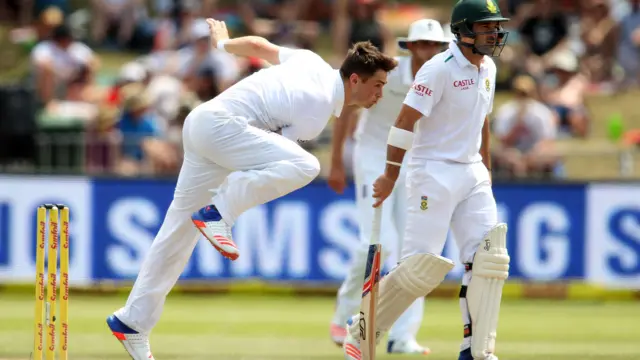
x: 487, y: 84
x: 424, y: 205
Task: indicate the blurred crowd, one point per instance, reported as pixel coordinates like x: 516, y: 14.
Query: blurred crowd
x: 91, y: 116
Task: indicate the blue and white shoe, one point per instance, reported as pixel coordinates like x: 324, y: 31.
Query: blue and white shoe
x: 466, y: 355
x: 210, y: 223
x: 136, y: 344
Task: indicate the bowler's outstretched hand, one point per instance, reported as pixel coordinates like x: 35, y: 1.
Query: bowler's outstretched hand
x: 218, y: 31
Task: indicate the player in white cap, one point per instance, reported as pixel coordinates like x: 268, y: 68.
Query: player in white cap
x: 426, y: 39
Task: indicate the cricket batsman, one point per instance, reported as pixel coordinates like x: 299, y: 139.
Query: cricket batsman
x: 448, y: 183
x: 426, y: 39
x: 243, y: 145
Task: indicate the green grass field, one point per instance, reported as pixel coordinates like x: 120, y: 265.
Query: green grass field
x: 255, y: 327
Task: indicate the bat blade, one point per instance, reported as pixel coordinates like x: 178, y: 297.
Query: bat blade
x: 368, y: 303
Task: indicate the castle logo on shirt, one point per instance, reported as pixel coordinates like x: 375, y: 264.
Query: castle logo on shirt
x: 422, y: 90
x: 424, y: 204
x: 487, y: 84
x: 463, y: 84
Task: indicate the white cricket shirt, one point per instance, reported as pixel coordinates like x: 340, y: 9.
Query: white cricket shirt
x: 455, y: 97
x: 374, y: 124
x: 298, y: 96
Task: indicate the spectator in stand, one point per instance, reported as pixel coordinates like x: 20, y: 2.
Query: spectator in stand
x: 40, y: 6
x: 164, y: 92
x: 175, y: 28
x: 200, y: 56
x: 48, y: 20
x: 118, y: 15
x: 253, y: 11
x: 103, y: 140
x: 132, y: 72
x: 545, y: 32
x: 600, y: 39
x: 628, y: 52
x: 205, y: 85
x: 280, y: 21
x: 564, y: 91
x: 58, y: 61
x: 359, y: 20
x: 82, y: 88
x: 143, y: 149
x: 187, y: 102
x: 526, y: 130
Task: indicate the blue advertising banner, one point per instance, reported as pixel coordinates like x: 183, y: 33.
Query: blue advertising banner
x: 556, y: 232
x: 612, y: 223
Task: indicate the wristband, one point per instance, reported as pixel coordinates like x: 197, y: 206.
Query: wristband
x: 400, y: 138
x: 221, y: 45
x: 394, y: 163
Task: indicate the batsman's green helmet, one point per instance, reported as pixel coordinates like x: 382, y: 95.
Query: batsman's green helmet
x: 468, y: 12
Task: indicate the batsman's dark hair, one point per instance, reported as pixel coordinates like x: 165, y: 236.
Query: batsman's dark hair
x: 364, y: 60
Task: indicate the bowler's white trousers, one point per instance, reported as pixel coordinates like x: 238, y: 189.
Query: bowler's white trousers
x: 368, y: 164
x: 246, y: 166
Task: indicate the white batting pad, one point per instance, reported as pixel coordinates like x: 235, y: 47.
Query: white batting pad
x: 414, y: 277
x: 489, y: 271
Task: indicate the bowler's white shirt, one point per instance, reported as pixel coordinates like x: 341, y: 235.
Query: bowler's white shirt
x: 374, y: 124
x: 455, y: 97
x: 298, y: 96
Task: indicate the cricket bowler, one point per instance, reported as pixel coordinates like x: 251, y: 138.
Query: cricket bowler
x: 243, y: 146
x: 426, y: 39
x: 448, y: 183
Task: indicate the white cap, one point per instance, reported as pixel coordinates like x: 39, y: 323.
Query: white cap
x: 133, y: 72
x: 200, y: 29
x: 565, y: 60
x: 448, y: 35
x: 425, y: 30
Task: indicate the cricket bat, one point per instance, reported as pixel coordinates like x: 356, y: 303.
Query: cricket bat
x: 370, y: 291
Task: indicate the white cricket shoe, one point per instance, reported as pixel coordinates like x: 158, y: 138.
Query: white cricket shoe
x: 466, y: 355
x: 351, y: 346
x: 210, y: 223
x: 406, y: 347
x: 136, y: 344
x: 338, y: 334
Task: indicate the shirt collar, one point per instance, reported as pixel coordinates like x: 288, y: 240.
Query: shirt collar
x: 460, y: 58
x: 338, y: 94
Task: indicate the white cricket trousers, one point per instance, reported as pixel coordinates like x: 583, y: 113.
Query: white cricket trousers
x: 445, y: 195
x: 246, y: 165
x: 369, y: 164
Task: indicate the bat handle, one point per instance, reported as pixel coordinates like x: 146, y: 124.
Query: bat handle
x: 375, y: 229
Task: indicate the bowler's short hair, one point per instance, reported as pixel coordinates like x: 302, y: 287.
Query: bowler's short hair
x: 364, y: 60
